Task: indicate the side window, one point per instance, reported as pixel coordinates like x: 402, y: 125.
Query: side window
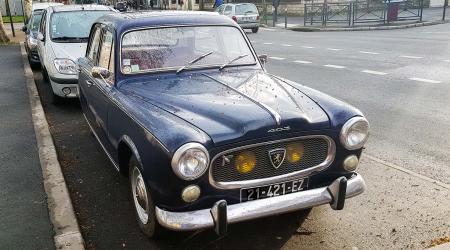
x: 228, y: 10
x: 220, y: 9
x: 93, y: 44
x: 106, y: 57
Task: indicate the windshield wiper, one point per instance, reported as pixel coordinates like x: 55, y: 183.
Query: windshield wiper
x: 194, y: 61
x: 69, y: 38
x: 232, y: 61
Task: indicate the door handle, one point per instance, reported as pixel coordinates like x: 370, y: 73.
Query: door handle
x: 89, y: 83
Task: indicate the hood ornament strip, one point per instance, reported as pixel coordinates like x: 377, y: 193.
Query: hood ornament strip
x: 272, y: 112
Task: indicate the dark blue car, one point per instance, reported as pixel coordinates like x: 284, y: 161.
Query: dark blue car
x: 183, y: 106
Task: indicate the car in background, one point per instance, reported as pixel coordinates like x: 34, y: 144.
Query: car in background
x: 181, y: 104
x: 121, y: 6
x: 62, y: 39
x: 245, y: 14
x: 31, y: 30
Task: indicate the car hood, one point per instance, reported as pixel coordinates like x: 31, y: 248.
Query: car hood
x: 231, y: 106
x: 72, y: 51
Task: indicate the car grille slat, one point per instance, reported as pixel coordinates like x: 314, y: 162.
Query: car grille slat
x: 316, y: 152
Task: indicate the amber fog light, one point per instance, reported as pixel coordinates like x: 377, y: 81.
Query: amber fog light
x: 295, y: 152
x: 351, y: 162
x: 190, y: 193
x: 245, y: 162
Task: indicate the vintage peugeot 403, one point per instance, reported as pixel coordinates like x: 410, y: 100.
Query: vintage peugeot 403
x: 182, y: 105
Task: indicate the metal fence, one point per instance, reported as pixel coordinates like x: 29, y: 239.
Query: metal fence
x: 362, y: 12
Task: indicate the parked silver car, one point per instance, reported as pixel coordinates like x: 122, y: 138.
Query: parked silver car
x: 31, y: 30
x: 62, y: 39
x: 245, y: 14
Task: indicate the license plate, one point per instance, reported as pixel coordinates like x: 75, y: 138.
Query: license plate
x: 256, y: 193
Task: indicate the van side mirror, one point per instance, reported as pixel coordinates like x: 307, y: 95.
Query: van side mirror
x: 41, y: 37
x: 263, y: 59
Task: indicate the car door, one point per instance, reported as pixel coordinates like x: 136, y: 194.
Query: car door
x: 96, y: 91
x: 41, y: 44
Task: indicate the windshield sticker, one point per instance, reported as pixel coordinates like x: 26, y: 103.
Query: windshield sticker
x: 126, y: 62
x: 126, y: 69
x: 134, y: 68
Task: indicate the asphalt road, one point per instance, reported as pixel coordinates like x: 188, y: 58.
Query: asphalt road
x: 399, y: 79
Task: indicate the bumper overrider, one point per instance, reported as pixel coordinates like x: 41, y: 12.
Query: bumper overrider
x: 220, y: 215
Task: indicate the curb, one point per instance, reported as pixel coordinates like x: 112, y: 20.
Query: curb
x: 366, y: 28
x: 444, y: 246
x: 65, y: 225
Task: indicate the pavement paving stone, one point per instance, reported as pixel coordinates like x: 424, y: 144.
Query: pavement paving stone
x: 24, y: 219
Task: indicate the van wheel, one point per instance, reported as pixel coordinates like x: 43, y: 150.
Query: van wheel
x: 255, y: 30
x: 143, y: 203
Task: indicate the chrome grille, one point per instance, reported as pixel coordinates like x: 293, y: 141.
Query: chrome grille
x: 318, y: 153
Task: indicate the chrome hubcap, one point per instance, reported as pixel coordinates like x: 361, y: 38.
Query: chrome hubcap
x: 139, y: 195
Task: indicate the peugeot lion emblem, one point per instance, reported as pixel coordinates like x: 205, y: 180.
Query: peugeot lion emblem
x: 276, y: 157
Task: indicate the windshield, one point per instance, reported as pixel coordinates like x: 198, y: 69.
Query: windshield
x: 246, y: 9
x: 36, y: 19
x: 74, y: 25
x: 172, y: 48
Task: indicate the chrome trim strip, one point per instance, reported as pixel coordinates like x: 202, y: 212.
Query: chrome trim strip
x: 258, y: 182
x: 103, y: 147
x: 199, y: 219
x: 272, y: 112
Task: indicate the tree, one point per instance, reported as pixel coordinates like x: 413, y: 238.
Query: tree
x: 27, y: 8
x: 3, y: 37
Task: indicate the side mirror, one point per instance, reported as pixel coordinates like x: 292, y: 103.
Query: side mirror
x: 40, y: 37
x: 24, y: 28
x: 100, y: 73
x: 263, y: 59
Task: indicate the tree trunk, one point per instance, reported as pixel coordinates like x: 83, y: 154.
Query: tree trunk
x: 3, y: 37
x: 27, y: 8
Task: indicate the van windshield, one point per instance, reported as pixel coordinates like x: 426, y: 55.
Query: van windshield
x: 73, y: 26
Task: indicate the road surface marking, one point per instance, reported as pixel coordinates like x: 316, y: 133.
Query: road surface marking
x: 268, y: 43
x: 286, y: 45
x: 276, y: 58
x: 447, y: 61
x: 267, y: 29
x: 307, y: 47
x: 374, y: 72
x: 303, y: 62
x: 404, y: 170
x: 334, y: 66
x: 423, y: 80
x: 412, y: 57
x: 369, y: 52
x: 334, y: 49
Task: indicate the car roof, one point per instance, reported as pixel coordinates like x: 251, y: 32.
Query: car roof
x: 41, y: 6
x: 78, y: 7
x: 122, y: 22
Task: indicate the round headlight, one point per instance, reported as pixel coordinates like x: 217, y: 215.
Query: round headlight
x: 355, y: 133
x: 190, y: 161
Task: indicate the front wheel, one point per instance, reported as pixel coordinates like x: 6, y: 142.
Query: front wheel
x: 143, y: 203
x: 255, y: 30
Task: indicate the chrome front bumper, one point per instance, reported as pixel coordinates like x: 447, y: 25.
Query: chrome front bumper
x: 185, y: 221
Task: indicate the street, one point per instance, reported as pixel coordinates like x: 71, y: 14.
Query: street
x: 400, y: 79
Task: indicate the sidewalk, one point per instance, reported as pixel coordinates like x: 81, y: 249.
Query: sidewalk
x: 24, y: 218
